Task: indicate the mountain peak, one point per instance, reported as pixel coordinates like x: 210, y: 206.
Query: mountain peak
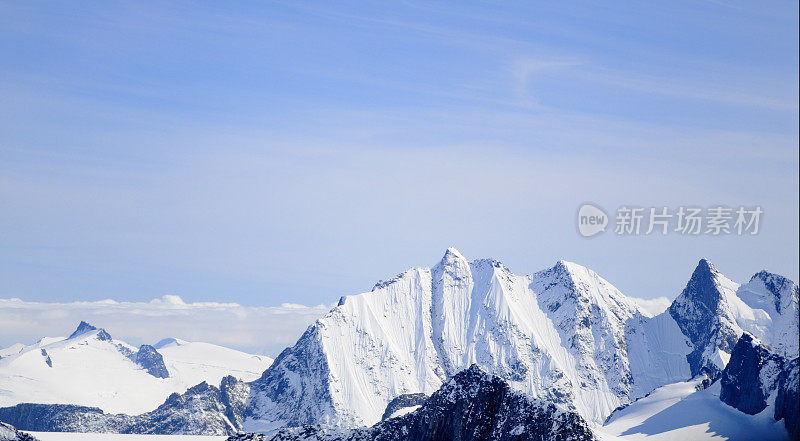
x: 705, y: 266
x: 452, y: 255
x: 702, y: 286
x: 704, y: 313
x: 454, y: 265
x: 84, y: 328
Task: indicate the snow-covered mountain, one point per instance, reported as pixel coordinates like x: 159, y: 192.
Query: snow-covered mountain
x: 90, y: 368
x: 472, y: 405
x: 563, y: 334
x: 195, y: 362
x: 714, y: 311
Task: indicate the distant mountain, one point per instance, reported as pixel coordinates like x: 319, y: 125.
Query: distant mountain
x: 473, y: 405
x: 201, y: 410
x: 90, y: 368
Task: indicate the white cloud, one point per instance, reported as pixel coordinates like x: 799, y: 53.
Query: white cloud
x: 257, y: 329
x: 653, y: 306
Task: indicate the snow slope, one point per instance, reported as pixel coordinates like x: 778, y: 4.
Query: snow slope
x: 681, y: 412
x: 194, y: 362
x: 93, y: 369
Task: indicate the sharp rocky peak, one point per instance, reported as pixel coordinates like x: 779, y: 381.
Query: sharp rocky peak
x: 704, y: 315
x: 781, y: 288
x: 84, y: 328
x: 703, y: 286
x: 452, y: 257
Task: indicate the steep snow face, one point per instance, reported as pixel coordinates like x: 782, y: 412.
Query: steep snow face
x: 564, y: 334
x: 91, y: 368
x: 713, y: 312
x: 777, y: 297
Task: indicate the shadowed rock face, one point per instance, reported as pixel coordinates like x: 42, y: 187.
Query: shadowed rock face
x: 473, y: 405
x: 152, y: 361
x: 787, y: 403
x: 82, y: 328
x: 702, y: 315
x: 753, y: 374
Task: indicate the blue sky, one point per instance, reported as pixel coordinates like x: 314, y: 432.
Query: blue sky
x: 272, y: 152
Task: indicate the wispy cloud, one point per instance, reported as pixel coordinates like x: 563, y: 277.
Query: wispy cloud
x: 254, y: 329
x: 653, y: 306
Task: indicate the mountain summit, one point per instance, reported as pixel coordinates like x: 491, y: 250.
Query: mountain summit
x: 85, y: 328
x: 563, y: 334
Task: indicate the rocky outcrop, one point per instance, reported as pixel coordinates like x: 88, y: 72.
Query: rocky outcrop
x: 84, y: 327
x: 149, y: 359
x: 787, y: 403
x: 755, y: 372
x: 201, y: 410
x: 703, y: 313
x: 61, y: 418
x: 751, y: 376
x: 473, y: 405
x: 48, y: 361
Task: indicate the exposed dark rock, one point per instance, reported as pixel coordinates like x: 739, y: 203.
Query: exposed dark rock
x: 755, y: 372
x: 59, y: 418
x: 787, y: 403
x: 47, y: 359
x: 83, y: 328
x: 473, y: 405
x: 201, y: 410
x: 751, y: 375
x: 149, y: 358
x: 403, y: 401
x: 305, y: 402
x: 701, y: 313
x: 779, y: 286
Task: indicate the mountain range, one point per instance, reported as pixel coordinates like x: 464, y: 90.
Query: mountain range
x: 90, y: 368
x: 562, y: 337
